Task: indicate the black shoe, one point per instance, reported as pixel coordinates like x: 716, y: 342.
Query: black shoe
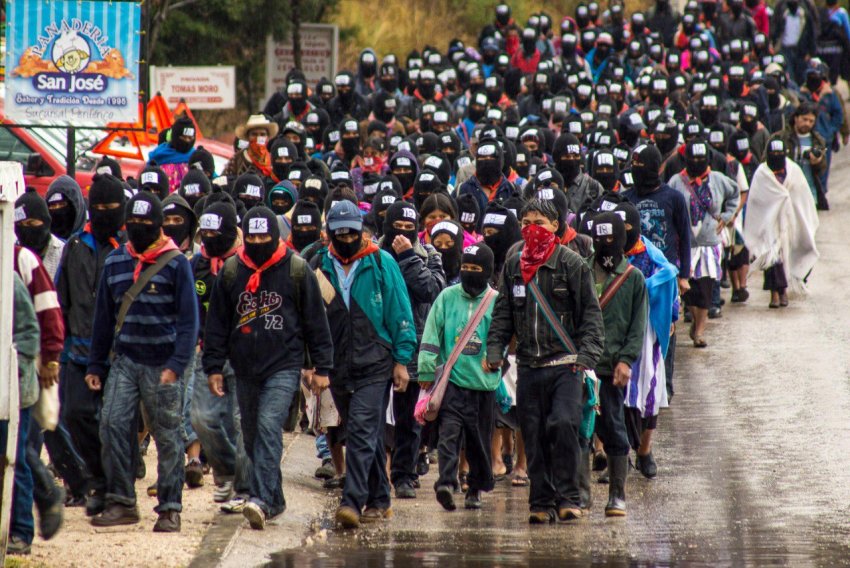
x: 194, y: 474
x: 115, y: 515
x: 18, y: 546
x: 405, y: 491
x: 446, y: 498
x: 714, y: 313
x: 743, y: 295
x: 472, y: 500
x: 334, y: 483
x: 618, y: 468
x: 50, y: 520
x: 417, y: 484
x: 600, y: 461
x: 168, y: 522
x: 734, y: 296
x: 141, y: 469
x: 647, y: 466
x: 725, y: 284
x: 326, y: 470
x: 95, y: 504
x: 423, y: 464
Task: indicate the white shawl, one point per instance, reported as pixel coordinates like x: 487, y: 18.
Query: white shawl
x: 781, y: 223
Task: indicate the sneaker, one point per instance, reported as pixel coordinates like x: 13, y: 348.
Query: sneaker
x: 18, y: 546
x: 168, y: 522
x: 334, y: 482
x: 647, y: 466
x: 541, y: 517
x: 223, y: 492
x: 152, y: 490
x: 472, y: 500
x: 115, y: 515
x: 235, y: 505
x: 405, y: 491
x: 347, y: 518
x: 50, y: 520
x: 194, y: 473
x: 374, y: 514
x: 423, y: 464
x: 714, y: 312
x: 446, y: 498
x: 326, y: 470
x: 255, y: 515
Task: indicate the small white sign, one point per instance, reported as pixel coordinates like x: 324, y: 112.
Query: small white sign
x: 203, y: 88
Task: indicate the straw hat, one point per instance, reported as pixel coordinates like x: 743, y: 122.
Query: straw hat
x: 256, y: 121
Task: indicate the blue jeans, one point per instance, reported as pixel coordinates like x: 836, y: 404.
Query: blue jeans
x: 216, y: 422
x: 129, y: 382
x: 611, y: 423
x: 64, y: 457
x: 264, y: 407
x: 22, y: 524
x: 323, y: 452
x: 189, y: 435
x: 549, y: 410
x: 364, y: 413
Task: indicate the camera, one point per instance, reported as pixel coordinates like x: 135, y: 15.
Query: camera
x: 808, y: 153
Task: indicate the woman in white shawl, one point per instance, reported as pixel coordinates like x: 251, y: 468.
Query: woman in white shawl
x: 780, y: 225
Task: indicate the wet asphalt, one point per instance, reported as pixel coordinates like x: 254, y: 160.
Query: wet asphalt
x: 753, y: 455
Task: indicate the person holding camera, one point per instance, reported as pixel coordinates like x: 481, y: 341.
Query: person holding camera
x: 807, y: 148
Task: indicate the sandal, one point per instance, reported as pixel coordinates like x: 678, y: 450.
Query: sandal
x: 520, y: 481
x: 783, y: 300
x: 699, y: 342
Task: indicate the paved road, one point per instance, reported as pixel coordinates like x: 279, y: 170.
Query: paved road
x: 754, y: 455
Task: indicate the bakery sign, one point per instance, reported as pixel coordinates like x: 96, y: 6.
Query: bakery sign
x: 72, y: 61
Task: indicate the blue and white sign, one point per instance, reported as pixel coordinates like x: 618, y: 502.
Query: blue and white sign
x: 72, y: 61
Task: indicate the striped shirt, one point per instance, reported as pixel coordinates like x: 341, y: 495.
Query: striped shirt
x: 40, y: 286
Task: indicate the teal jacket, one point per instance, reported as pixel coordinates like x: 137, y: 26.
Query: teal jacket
x: 450, y: 313
x: 376, y: 329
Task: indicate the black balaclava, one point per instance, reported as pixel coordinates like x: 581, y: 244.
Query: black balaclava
x: 646, y: 163
x: 221, y: 218
x: 451, y: 256
x: 349, y: 132
x: 260, y: 221
x: 669, y: 135
x: 155, y: 180
x: 474, y: 283
x: 306, y: 224
x: 497, y: 217
x: 183, y: 126
x: 404, y: 161
x: 284, y: 191
x: 384, y: 106
x: 696, y: 157
x: 345, y: 249
x: 178, y: 233
x: 489, y: 162
x: 427, y: 183
x: 194, y: 186
x: 382, y: 201
x: 296, y: 92
x: 608, y: 225
x: 813, y: 80
x: 202, y: 159
x: 106, y: 188
x: 249, y: 189
x: 529, y: 42
x: 144, y: 205
x: 108, y: 165
x: 567, y: 156
x: 604, y: 160
x: 388, y: 77
x: 32, y: 206
x: 62, y: 219
x: 739, y: 145
x: 314, y: 189
x: 708, y: 109
x: 469, y: 212
x: 776, y: 155
x: 282, y: 148
x: 400, y: 211
x: 632, y: 221
x: 771, y: 87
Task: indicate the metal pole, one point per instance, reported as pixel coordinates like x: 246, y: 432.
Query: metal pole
x: 71, y: 153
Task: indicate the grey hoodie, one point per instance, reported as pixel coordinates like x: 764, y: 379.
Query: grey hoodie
x: 70, y: 189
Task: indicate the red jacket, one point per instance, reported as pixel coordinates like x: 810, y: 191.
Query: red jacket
x: 41, y: 289
x: 527, y: 66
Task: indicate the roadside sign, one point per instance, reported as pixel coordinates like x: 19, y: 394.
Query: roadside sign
x: 319, y: 50
x: 203, y: 88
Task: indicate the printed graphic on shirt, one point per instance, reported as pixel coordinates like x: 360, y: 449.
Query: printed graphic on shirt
x: 653, y: 223
x: 253, y: 307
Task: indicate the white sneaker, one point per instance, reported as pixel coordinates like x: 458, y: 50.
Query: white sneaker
x: 235, y: 505
x: 256, y: 517
x: 223, y: 492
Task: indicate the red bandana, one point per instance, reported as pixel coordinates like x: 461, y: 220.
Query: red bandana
x: 216, y: 262
x: 569, y: 235
x: 254, y: 279
x: 162, y: 245
x: 637, y: 249
x: 540, y: 243
x: 112, y: 240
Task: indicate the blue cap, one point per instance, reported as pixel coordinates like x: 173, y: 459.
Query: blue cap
x: 344, y: 215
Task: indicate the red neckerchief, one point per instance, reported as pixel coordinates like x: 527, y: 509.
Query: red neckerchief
x: 697, y: 181
x: 747, y: 159
x: 437, y: 96
x: 493, y: 189
x: 112, y: 240
x: 300, y: 117
x: 540, y: 243
x: 637, y: 249
x: 569, y: 235
x: 368, y: 248
x: 289, y: 244
x: 263, y: 162
x: 216, y: 262
x: 162, y: 245
x: 254, y: 279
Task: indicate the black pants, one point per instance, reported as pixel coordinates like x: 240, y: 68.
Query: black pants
x: 774, y: 278
x: 669, y: 365
x: 611, y: 423
x: 466, y: 416
x: 81, y: 413
x: 407, y: 435
x: 549, y: 408
x: 64, y: 457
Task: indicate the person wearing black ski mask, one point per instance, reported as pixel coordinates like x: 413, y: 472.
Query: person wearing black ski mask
x: 155, y: 180
x: 666, y: 136
x: 66, y: 206
x: 347, y: 102
x: 202, y: 159
x: 447, y: 238
x: 182, y: 136
x: 106, y: 208
x: 501, y: 231
x: 194, y: 186
x: 581, y: 189
x: 32, y: 228
x: 249, y: 189
x: 306, y: 225
x: 476, y: 272
x: 283, y: 154
x: 604, y: 170
x: 489, y: 183
x: 402, y: 219
x: 469, y: 213
x: 179, y: 223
